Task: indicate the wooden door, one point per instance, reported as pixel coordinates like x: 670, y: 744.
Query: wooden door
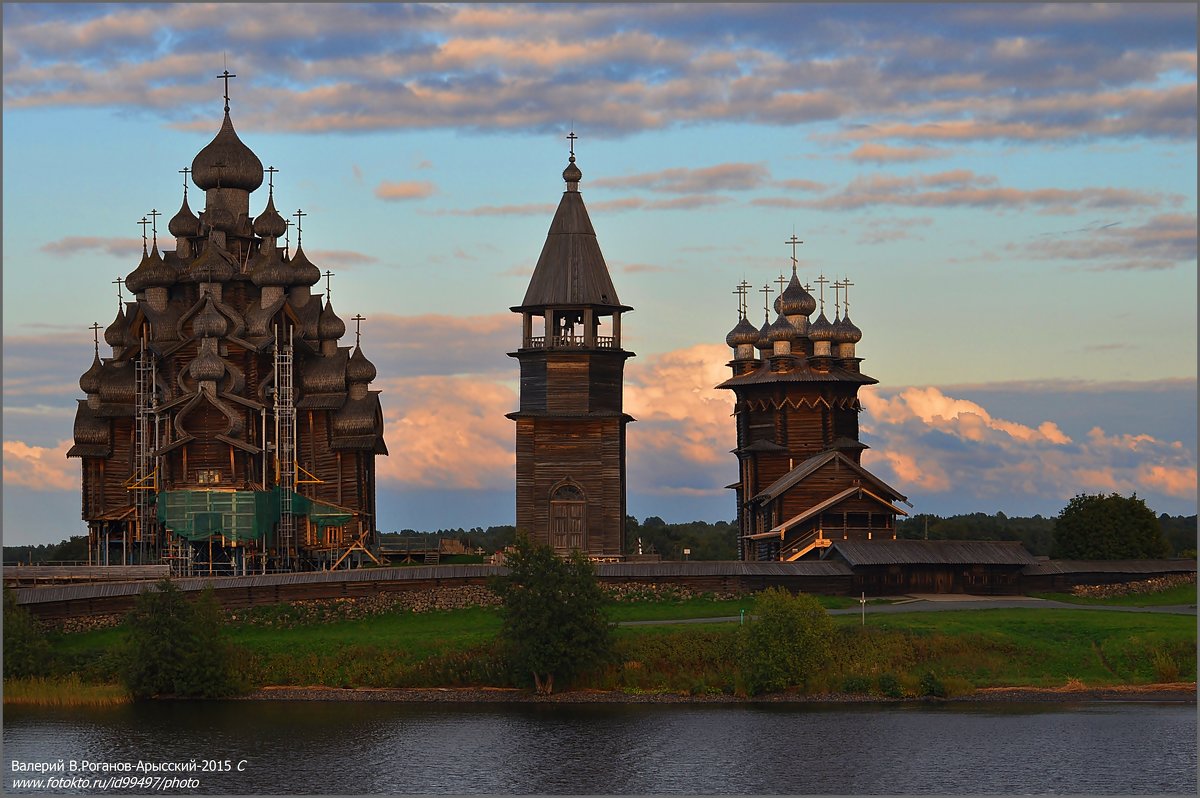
x: 568, y: 516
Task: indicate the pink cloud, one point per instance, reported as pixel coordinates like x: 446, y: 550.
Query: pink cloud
x: 722, y: 177
x: 41, y: 468
x: 410, y: 190
x: 344, y: 258
x: 115, y: 246
x: 883, y: 153
x: 529, y: 209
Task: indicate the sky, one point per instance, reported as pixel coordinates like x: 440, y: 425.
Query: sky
x: 1010, y: 188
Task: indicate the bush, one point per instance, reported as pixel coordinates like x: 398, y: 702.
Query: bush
x: 554, y: 623
x: 788, y: 642
x: 175, y: 647
x: 856, y: 684
x: 889, y: 685
x: 26, y: 651
x: 932, y: 686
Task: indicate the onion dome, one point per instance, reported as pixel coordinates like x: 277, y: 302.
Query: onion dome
x: 227, y: 163
x: 330, y: 327
x: 764, y: 340
x: 359, y: 369
x: 207, y: 365
x: 572, y: 174
x: 116, y: 333
x: 821, y: 329
x: 152, y: 272
x: 269, y: 222
x: 304, y: 272
x: 89, y: 382
x: 743, y: 333
x: 210, y: 267
x: 184, y: 224
x: 209, y: 323
x: 781, y: 330
x: 795, y: 301
x: 844, y: 331
x: 269, y: 268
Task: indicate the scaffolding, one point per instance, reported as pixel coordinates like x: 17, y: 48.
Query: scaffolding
x: 146, y: 433
x: 285, y: 444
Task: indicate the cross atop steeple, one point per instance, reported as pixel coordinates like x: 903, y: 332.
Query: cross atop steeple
x: 821, y: 282
x: 225, y: 76
x: 185, y: 171
x: 358, y: 320
x: 766, y: 292
x: 846, y: 299
x: 299, y: 214
x: 119, y: 282
x: 837, y: 287
x: 271, y: 170
x: 143, y: 223
x: 287, y: 235
x: 154, y: 214
x: 571, y: 136
x: 794, y: 242
x: 328, y: 286
x: 782, y: 282
x: 95, y: 328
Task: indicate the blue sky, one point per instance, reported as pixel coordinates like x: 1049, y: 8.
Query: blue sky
x: 1011, y: 188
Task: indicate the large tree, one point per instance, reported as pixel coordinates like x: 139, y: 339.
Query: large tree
x: 1109, y: 527
x: 554, y: 624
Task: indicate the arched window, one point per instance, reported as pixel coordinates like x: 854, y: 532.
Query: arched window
x: 568, y: 516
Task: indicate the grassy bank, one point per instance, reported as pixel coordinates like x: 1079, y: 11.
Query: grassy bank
x: 65, y: 691
x: 909, y: 654
x: 1184, y: 595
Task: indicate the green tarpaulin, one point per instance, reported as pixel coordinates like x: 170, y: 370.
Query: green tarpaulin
x: 239, y: 515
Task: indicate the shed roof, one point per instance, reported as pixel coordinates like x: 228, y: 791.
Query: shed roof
x: 931, y: 552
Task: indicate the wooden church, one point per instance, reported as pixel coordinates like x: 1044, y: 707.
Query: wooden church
x: 570, y: 436
x: 801, y: 484
x: 229, y: 430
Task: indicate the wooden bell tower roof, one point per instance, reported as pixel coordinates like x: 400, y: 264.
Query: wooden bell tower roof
x: 571, y: 269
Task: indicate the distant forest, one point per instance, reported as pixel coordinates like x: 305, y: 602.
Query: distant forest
x: 715, y: 541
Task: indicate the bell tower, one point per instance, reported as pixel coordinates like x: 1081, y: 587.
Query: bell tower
x: 571, y: 425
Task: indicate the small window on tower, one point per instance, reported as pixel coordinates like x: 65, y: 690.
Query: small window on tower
x: 208, y: 477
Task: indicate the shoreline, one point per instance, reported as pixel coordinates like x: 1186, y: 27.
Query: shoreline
x: 1176, y: 692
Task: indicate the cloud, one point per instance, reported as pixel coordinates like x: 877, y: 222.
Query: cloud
x: 447, y: 432
x: 410, y: 190
x: 645, y: 268
x: 962, y: 188
x: 722, y: 177
x: 910, y: 73
x: 932, y: 443
x: 114, y: 246
x: 344, y: 258
x: 883, y: 153
x: 528, y: 209
x: 40, y: 468
x: 1166, y: 241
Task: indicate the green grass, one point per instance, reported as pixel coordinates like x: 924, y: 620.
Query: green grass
x: 69, y: 691
x: 1180, y: 594
x: 698, y: 607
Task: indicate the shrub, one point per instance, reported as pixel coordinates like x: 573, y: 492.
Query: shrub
x: 554, y: 623
x: 788, y: 642
x: 175, y: 647
x: 26, y: 651
x: 889, y: 685
x: 932, y: 686
x: 856, y: 684
x: 1165, y: 667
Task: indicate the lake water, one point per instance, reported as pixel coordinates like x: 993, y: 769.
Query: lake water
x: 346, y: 748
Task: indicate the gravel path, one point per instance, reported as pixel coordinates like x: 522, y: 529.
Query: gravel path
x: 1173, y: 693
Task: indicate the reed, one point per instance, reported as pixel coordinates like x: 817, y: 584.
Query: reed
x: 66, y: 691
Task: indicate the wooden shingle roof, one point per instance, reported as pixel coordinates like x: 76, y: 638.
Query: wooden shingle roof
x: 931, y: 552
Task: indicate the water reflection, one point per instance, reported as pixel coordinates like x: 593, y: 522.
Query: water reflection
x: 327, y: 747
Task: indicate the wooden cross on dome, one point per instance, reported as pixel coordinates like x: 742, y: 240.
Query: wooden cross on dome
x: 794, y: 242
x: 95, y: 328
x: 185, y: 171
x: 571, y: 136
x: 299, y: 214
x: 820, y: 281
x: 143, y: 223
x: 837, y: 287
x: 744, y: 287
x: 846, y: 298
x: 271, y: 170
x: 741, y: 295
x: 358, y: 320
x: 328, y: 285
x: 225, y: 76
x: 766, y: 292
x: 782, y: 282
x: 154, y: 214
x: 120, y: 281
